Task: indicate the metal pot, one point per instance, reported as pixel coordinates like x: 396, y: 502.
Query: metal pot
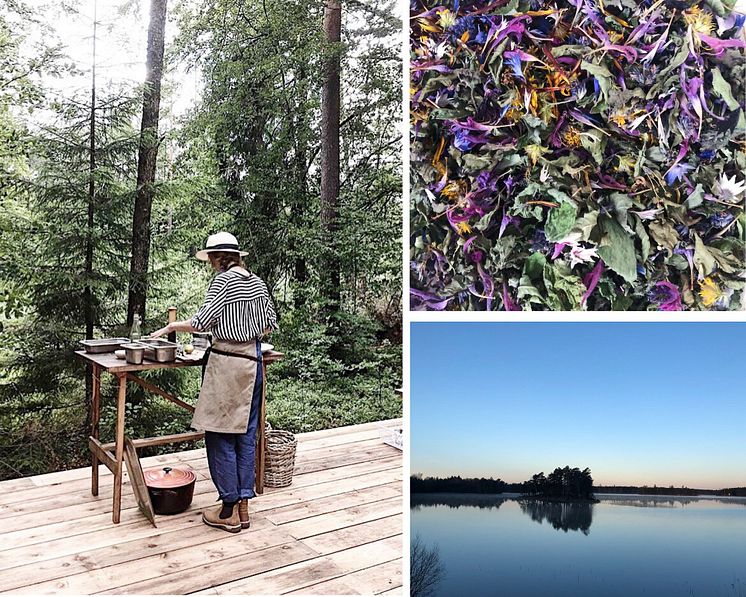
x: 103, y: 345
x: 161, y: 351
x: 134, y: 353
x: 171, y: 489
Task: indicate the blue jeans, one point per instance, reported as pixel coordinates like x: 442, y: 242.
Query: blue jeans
x: 231, y: 456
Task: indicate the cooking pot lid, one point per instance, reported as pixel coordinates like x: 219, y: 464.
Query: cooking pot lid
x: 167, y: 477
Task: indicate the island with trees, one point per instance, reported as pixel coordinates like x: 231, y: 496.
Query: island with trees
x: 562, y: 484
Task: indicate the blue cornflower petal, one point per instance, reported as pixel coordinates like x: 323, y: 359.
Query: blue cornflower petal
x: 677, y: 172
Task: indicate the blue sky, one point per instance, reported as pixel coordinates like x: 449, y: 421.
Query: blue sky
x: 638, y: 403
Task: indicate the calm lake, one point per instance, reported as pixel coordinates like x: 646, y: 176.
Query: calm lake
x: 623, y: 546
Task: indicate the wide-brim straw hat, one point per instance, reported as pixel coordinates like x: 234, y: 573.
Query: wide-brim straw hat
x: 222, y: 242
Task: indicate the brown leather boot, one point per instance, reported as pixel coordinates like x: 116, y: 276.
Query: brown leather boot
x: 243, y: 513
x: 232, y: 524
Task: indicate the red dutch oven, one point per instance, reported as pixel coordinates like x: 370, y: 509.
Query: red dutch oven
x: 171, y: 489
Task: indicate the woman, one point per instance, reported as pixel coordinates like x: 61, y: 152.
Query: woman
x: 238, y: 311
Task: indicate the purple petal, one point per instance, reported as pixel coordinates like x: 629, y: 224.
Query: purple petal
x: 507, y: 301
x: 426, y: 301
x: 644, y: 27
x: 441, y: 184
x: 668, y: 296
x: 627, y: 51
x: 591, y: 280
x: 441, y: 68
x: 507, y: 221
x: 487, y: 284
x: 720, y: 45
x: 558, y: 248
x: 554, y: 138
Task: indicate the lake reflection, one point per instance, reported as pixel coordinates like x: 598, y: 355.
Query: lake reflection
x: 639, y: 545
x: 563, y: 517
x: 459, y: 500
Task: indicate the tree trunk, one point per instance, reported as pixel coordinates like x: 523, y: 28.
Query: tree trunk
x: 330, y: 118
x: 88, y: 290
x: 301, y: 167
x: 146, y: 162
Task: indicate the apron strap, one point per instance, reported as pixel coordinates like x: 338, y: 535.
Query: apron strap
x: 233, y: 354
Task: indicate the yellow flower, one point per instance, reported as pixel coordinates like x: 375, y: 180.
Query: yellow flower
x: 425, y: 25
x: 513, y: 114
x: 441, y: 169
x: 700, y: 21
x: 463, y: 228
x: 454, y: 189
x: 618, y: 118
x: 709, y: 291
x: 446, y: 18
x: 571, y: 136
x: 558, y: 79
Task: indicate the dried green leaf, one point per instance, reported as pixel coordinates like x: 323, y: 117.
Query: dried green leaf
x: 560, y: 221
x: 722, y: 88
x: 664, y: 234
x: 617, y: 249
x: 534, y: 265
x: 704, y: 261
x: 564, y: 289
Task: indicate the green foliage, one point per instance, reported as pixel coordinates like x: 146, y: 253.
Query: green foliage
x: 300, y: 406
x: 245, y: 159
x: 44, y: 270
x: 258, y: 124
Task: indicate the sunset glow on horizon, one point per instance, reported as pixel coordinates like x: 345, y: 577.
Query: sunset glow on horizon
x: 637, y: 403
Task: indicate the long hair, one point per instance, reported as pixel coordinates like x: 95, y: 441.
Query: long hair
x: 225, y: 259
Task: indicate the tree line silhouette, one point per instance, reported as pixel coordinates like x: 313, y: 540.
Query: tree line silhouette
x: 420, y: 484
x: 566, y: 483
x: 670, y: 490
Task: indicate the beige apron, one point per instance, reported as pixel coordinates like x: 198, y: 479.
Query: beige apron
x: 227, y: 389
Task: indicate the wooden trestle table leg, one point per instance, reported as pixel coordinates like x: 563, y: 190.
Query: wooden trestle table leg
x: 261, y: 443
x: 119, y: 448
x: 95, y: 416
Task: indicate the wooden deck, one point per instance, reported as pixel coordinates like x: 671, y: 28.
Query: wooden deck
x: 336, y: 530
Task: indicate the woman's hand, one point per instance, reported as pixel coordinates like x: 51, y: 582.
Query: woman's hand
x: 162, y: 332
x: 175, y: 326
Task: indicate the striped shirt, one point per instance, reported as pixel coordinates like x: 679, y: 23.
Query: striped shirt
x: 237, y: 308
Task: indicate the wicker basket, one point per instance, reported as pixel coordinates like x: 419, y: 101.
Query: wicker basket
x: 280, y: 459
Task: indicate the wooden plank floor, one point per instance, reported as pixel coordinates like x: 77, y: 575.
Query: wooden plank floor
x: 336, y: 530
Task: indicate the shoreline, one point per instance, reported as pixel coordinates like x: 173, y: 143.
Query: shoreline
x: 594, y: 500
x: 505, y: 496
x: 557, y: 499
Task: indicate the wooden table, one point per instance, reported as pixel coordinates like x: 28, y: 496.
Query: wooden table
x: 102, y: 453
